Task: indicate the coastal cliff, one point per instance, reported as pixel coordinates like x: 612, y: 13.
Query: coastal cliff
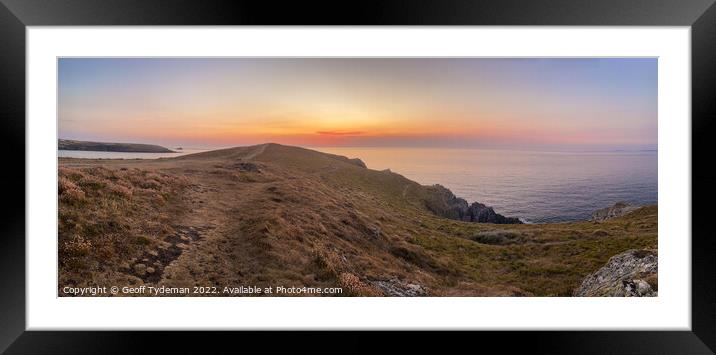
x: 66, y: 144
x: 275, y: 215
x: 444, y: 203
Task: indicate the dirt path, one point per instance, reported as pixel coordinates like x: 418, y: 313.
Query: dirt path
x: 219, y: 236
x: 258, y: 151
x: 212, y: 246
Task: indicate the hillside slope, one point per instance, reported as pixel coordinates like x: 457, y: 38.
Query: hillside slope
x: 273, y: 215
x: 65, y: 144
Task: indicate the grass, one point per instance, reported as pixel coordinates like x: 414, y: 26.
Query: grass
x: 498, y: 237
x: 295, y: 217
x: 551, y: 259
x: 107, y: 216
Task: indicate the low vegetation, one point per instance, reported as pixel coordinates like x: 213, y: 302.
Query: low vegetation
x: 272, y: 215
x: 498, y: 237
x: 66, y: 144
x: 107, y: 216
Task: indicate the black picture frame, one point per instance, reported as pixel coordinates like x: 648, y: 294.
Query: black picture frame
x: 700, y: 15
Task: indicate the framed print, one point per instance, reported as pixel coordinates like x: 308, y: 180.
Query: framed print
x: 538, y: 170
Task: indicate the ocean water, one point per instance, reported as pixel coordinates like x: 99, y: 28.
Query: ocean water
x: 123, y: 155
x: 536, y: 187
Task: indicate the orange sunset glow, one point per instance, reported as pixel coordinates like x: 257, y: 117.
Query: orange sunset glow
x: 554, y: 103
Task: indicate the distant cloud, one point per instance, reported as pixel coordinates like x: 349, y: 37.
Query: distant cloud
x: 341, y: 133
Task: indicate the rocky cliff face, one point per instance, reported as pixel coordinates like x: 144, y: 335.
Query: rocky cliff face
x: 619, y: 209
x: 444, y: 203
x: 478, y: 212
x: 629, y: 274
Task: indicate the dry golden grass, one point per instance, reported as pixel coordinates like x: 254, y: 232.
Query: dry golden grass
x: 355, y: 287
x: 107, y: 216
x: 286, y: 216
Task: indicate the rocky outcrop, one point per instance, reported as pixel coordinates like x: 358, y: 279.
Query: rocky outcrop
x: 397, y: 288
x: 478, y: 212
x: 246, y: 166
x: 619, y: 209
x: 444, y: 203
x: 629, y: 274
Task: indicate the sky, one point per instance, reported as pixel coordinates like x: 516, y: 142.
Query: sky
x: 505, y: 103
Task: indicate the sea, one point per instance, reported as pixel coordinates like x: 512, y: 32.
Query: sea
x: 537, y: 187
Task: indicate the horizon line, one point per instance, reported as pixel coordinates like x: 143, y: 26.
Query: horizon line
x: 508, y: 148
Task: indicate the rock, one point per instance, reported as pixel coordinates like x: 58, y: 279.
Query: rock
x: 625, y: 275
x: 248, y: 167
x: 140, y: 269
x: 619, y: 209
x: 484, y: 214
x: 397, y: 288
x: 150, y: 270
x: 444, y: 203
x: 153, y: 253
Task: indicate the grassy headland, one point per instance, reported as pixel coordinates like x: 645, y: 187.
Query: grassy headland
x: 273, y: 215
x: 65, y: 144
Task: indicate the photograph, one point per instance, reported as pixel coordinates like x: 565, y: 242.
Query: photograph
x: 357, y: 176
